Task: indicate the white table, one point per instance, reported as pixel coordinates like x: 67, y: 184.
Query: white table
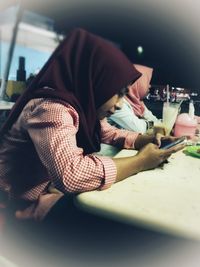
x: 164, y: 199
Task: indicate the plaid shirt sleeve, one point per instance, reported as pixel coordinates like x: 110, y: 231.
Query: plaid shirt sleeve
x: 52, y: 126
x: 117, y: 137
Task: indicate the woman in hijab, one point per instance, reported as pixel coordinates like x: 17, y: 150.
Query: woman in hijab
x: 134, y: 115
x: 48, y: 142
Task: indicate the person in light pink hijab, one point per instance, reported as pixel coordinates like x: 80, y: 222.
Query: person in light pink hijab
x: 134, y: 115
x: 139, y: 89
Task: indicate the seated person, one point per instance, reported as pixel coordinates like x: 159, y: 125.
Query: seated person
x: 48, y: 142
x: 134, y: 115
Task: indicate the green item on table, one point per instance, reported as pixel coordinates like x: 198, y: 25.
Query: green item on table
x: 192, y: 150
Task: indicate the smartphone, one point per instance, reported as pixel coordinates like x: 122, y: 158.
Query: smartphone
x: 165, y: 144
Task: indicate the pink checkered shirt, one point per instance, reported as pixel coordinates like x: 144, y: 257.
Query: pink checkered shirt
x: 41, y: 149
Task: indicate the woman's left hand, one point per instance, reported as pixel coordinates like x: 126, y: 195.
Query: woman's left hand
x: 144, y: 139
x: 159, y: 129
x: 160, y: 137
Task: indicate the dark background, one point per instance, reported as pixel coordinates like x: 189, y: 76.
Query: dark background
x: 168, y: 31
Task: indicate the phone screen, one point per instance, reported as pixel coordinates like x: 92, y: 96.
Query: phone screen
x: 165, y: 144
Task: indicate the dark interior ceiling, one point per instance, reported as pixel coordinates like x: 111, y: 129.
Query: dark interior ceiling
x: 167, y: 31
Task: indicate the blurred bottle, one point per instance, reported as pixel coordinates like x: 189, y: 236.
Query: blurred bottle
x: 191, y: 109
x: 21, y: 72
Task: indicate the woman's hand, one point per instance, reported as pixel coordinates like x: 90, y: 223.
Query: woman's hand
x: 159, y: 138
x: 151, y: 156
x: 156, y: 139
x: 159, y: 129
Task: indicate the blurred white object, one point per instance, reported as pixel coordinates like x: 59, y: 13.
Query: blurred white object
x: 191, y: 109
x: 6, y: 105
x: 170, y: 112
x: 6, y: 263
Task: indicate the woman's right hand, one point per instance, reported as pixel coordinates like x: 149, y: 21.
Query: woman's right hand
x: 148, y: 157
x: 151, y: 156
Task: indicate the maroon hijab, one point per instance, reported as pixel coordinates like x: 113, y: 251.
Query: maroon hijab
x: 85, y: 71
